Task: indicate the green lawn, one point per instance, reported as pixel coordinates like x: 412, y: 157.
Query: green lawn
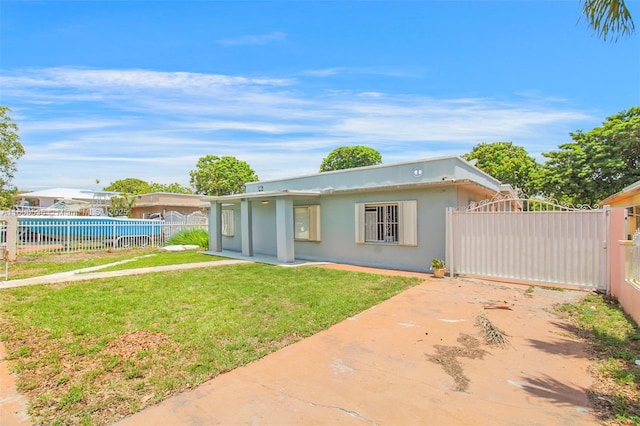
x: 36, y: 265
x: 93, y: 352
x: 613, y: 340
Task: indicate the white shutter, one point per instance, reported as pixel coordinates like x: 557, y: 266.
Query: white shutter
x: 227, y: 223
x: 314, y: 223
x: 408, y: 216
x: 359, y: 223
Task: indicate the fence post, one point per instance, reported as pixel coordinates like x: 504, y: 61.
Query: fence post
x: 449, y: 259
x: 12, y: 238
x: 68, y: 242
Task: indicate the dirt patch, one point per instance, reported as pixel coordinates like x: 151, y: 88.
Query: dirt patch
x: 90, y: 381
x: 128, y: 346
x: 447, y: 357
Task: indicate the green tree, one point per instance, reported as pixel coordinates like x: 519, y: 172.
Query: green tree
x: 348, y: 157
x: 221, y: 175
x: 121, y: 205
x: 130, y: 186
x: 7, y: 197
x: 608, y: 17
x: 10, y: 151
x: 173, y: 188
x: 597, y: 163
x: 508, y: 163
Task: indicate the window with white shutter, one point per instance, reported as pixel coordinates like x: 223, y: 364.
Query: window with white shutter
x: 227, y: 223
x: 387, y: 223
x: 306, y: 221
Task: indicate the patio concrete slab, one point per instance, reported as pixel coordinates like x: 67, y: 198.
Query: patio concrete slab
x: 378, y: 368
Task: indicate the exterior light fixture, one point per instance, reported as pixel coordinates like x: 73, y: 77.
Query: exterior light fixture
x: 265, y: 202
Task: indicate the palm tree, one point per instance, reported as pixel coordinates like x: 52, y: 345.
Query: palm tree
x: 608, y: 17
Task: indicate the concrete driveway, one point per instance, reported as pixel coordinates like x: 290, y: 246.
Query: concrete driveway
x: 416, y: 359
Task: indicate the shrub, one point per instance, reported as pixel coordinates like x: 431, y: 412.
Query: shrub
x: 196, y: 236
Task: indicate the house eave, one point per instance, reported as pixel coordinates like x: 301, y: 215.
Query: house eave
x: 259, y: 195
x: 269, y: 195
x: 625, y: 198
x: 405, y: 186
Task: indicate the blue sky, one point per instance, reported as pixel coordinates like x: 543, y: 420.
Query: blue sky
x: 107, y: 90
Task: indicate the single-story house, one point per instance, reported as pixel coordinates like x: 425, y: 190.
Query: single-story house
x: 48, y: 197
x: 390, y: 216
x: 629, y: 199
x: 159, y: 203
x: 69, y: 199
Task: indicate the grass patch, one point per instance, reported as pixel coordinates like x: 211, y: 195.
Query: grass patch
x: 44, y: 264
x: 97, y: 351
x: 614, y: 340
x: 33, y: 266
x: 163, y: 258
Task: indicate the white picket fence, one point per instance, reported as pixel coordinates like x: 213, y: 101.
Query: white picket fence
x: 175, y: 222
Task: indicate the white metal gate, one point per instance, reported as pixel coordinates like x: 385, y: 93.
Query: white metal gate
x: 530, y: 240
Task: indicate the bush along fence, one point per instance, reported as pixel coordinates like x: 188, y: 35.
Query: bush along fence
x: 45, y: 234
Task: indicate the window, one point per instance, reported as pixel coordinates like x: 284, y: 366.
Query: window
x: 306, y: 223
x: 387, y: 223
x: 381, y: 223
x: 227, y: 223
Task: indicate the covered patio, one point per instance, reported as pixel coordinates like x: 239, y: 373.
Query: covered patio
x: 283, y: 223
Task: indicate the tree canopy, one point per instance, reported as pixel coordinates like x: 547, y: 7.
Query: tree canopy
x: 173, y: 188
x: 10, y: 151
x: 508, y: 163
x: 597, y: 163
x: 131, y: 186
x: 348, y: 157
x: 135, y: 186
x: 608, y: 17
x: 221, y: 175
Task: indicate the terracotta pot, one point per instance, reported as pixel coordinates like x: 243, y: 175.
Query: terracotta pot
x: 438, y: 273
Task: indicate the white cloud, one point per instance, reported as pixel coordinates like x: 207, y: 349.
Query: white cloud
x: 112, y: 124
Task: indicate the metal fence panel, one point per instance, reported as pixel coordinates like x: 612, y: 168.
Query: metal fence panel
x: 39, y: 233
x: 552, y: 246
x: 50, y: 235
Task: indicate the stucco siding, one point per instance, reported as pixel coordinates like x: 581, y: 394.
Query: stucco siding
x: 264, y: 229
x: 338, y: 242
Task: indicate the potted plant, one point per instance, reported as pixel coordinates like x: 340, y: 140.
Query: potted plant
x: 438, y: 267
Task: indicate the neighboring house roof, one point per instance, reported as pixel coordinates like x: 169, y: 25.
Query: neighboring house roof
x: 168, y: 199
x: 59, y: 193
x: 419, y: 173
x: 628, y: 197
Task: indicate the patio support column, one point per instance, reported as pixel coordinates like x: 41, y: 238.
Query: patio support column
x: 215, y: 226
x: 284, y: 230
x: 245, y: 224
